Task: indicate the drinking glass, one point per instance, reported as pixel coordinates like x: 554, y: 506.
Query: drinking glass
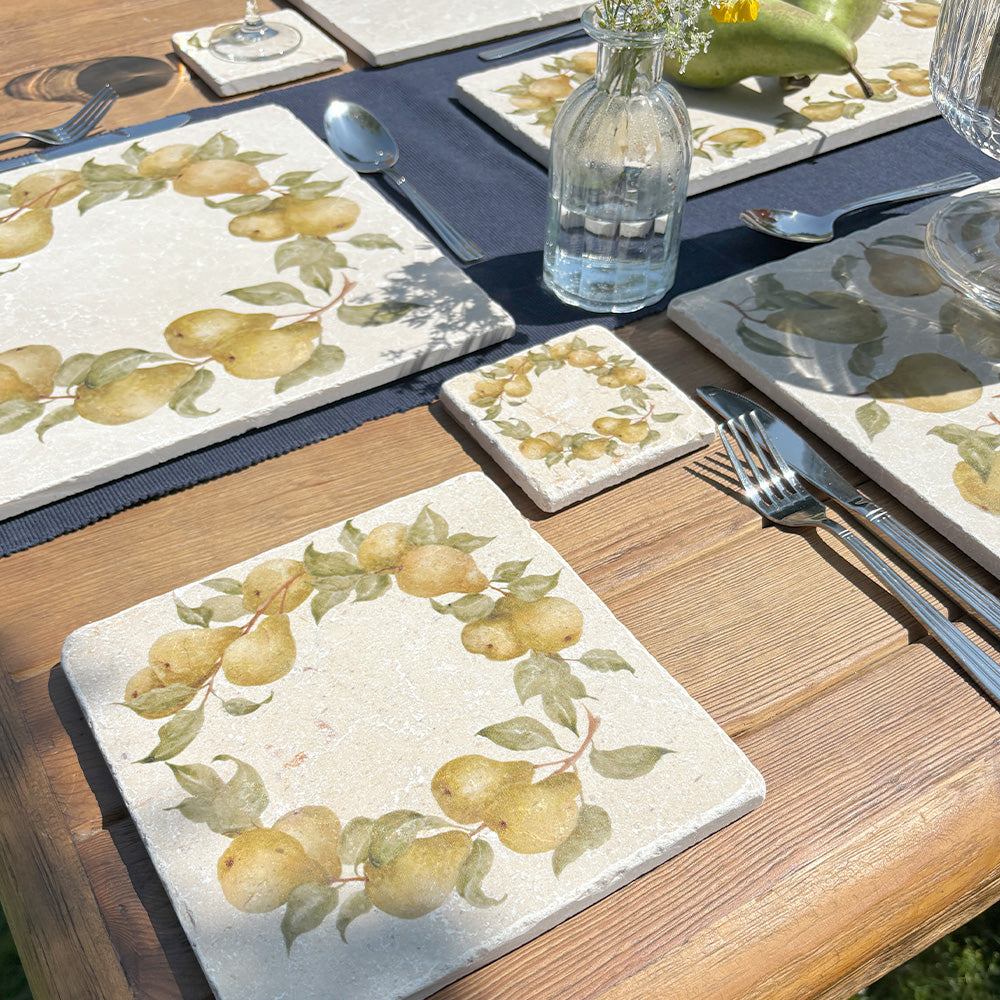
x: 253, y: 38
x: 963, y: 236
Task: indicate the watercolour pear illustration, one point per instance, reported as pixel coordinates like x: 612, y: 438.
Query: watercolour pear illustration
x: 784, y: 40
x: 590, y: 449
x: 264, y: 226
x: 208, y: 178
x: 259, y: 870
x: 463, y: 787
x: 494, y: 637
x: 320, y: 216
x: 433, y: 570
x: 47, y: 188
x: 197, y: 334
x: 256, y: 353
x: 900, y: 274
x: 189, y: 655
x: 26, y: 232
x: 384, y: 547
x: 842, y: 319
x: 975, y: 326
x: 931, y: 383
x: 620, y: 375
x: 981, y: 493
x: 261, y: 656
x: 538, y: 447
x: 146, y: 680
x: 534, y: 818
x: 317, y: 829
x: 622, y: 428
x: 166, y: 162
x: 546, y: 625
x: 34, y: 365
x: 276, y: 586
x: 421, y: 878
x: 134, y: 396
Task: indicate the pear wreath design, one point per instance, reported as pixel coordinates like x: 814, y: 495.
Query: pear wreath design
x: 404, y: 862
x: 299, y: 212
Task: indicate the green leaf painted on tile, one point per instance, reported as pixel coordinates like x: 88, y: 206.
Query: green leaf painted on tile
x: 531, y: 588
x: 604, y: 661
x: 592, y: 830
x: 357, y: 906
x: 355, y: 837
x: 521, y: 734
x: 243, y: 706
x: 185, y: 399
x: 376, y: 313
x: 307, y: 907
x: 270, y: 293
x: 176, y: 735
x: 873, y: 418
x: 52, y: 418
x: 429, y: 528
x: 472, y: 873
x: 161, y: 700
x: 626, y: 763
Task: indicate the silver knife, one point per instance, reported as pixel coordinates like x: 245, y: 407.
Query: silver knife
x: 804, y: 460
x: 513, y: 48
x: 95, y: 142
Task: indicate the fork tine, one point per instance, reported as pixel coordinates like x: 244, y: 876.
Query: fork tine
x: 97, y: 101
x: 786, y: 472
x: 725, y: 430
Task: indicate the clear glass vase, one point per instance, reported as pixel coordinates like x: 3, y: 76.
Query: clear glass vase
x: 963, y: 236
x: 619, y: 161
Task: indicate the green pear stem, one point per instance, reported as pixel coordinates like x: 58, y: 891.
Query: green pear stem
x: 862, y: 82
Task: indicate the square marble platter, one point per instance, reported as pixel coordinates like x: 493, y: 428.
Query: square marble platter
x: 740, y: 130
x: 338, y: 304
x: 387, y: 686
x: 384, y: 32
x: 317, y: 53
x: 576, y: 415
x: 862, y: 341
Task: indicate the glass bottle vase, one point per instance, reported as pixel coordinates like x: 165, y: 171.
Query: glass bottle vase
x: 620, y: 156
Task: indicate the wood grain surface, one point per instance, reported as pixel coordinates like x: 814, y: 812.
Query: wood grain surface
x: 879, y: 832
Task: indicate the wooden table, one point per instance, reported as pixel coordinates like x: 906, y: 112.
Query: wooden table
x: 879, y: 833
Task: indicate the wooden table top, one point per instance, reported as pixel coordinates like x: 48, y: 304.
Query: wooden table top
x: 879, y: 832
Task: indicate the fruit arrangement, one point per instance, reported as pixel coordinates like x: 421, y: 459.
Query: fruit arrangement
x: 404, y: 863
x: 504, y: 387
x: 299, y: 211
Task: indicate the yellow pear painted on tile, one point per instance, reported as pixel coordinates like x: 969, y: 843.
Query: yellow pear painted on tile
x: 421, y: 878
x: 548, y: 624
x: 320, y: 216
x: 35, y: 365
x: 463, y: 787
x: 317, y: 829
x: 259, y: 870
x: 26, y: 232
x: 261, y: 656
x: 134, y: 396
x: 931, y: 383
x: 981, y: 493
x: 534, y: 818
x: 189, y: 655
x: 383, y: 547
x: 433, y: 570
x: 276, y: 586
x: 258, y: 353
x: 208, y: 178
x: 197, y: 334
x: 166, y: 162
x: 47, y: 188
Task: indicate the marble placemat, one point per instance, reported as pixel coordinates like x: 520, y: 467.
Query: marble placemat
x: 384, y: 32
x: 382, y: 755
x: 317, y: 53
x: 743, y: 129
x: 165, y: 295
x: 862, y: 341
x: 576, y: 415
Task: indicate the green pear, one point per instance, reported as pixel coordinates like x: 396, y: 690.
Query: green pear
x: 931, y: 383
x: 197, y: 334
x: 464, y: 786
x: 384, y: 546
x: 259, y: 870
x: 47, y: 188
x: 841, y: 319
x: 26, y: 232
x: 189, y: 655
x: 534, y: 818
x: 317, y: 829
x: 261, y: 656
x: 421, y: 878
x: 901, y: 274
x: 853, y: 17
x: 35, y: 365
x: 433, y: 570
x: 548, y: 624
x: 783, y: 41
x: 276, y: 586
x: 259, y: 354
x: 134, y: 396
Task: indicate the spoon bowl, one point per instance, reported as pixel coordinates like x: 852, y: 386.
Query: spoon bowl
x: 365, y: 144
x: 791, y: 224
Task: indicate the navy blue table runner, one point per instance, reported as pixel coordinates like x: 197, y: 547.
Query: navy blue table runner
x: 496, y: 194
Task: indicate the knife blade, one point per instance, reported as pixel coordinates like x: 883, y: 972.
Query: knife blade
x: 95, y: 142
x: 815, y: 470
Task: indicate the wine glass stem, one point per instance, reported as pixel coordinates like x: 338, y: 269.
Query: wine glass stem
x: 252, y: 21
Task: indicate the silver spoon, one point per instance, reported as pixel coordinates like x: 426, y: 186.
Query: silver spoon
x: 791, y: 224
x: 364, y: 143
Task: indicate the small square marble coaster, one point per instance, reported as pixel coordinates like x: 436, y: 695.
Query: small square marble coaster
x: 576, y: 415
x: 317, y: 54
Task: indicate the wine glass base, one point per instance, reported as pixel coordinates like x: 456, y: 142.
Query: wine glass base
x: 237, y: 43
x: 963, y: 245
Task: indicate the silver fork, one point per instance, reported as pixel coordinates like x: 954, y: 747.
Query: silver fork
x: 773, y: 488
x: 77, y: 126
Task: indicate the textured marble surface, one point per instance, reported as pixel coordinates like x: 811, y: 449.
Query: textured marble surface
x: 576, y: 415
x: 382, y: 687
x: 332, y: 305
x: 740, y: 130
x: 882, y: 360
x: 384, y: 32
x: 317, y: 53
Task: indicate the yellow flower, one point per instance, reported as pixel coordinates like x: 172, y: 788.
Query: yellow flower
x: 735, y: 10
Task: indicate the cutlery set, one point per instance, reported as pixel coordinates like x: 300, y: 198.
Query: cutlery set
x: 770, y: 460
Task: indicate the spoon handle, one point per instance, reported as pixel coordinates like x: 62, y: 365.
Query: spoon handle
x: 461, y: 246
x: 511, y: 49
x: 908, y: 194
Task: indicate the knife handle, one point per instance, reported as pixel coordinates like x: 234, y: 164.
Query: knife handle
x: 972, y: 597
